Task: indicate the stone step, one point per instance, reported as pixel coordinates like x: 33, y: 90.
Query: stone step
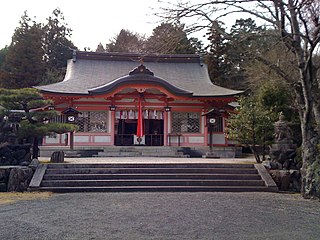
x: 150, y: 165
x: 159, y: 189
x: 150, y: 176
x: 149, y: 182
x: 140, y: 147
x: 141, y: 150
x: 118, y: 154
x: 134, y: 151
x: 150, y: 170
x: 143, y: 154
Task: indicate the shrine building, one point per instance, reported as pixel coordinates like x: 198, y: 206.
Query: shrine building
x: 124, y: 99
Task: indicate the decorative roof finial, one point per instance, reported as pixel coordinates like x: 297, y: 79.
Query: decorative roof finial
x: 141, y: 70
x: 74, y: 55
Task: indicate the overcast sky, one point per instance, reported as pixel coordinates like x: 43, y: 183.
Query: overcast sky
x: 92, y: 21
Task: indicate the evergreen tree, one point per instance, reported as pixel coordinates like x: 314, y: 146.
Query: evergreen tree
x: 33, y: 117
x: 100, y: 48
x: 251, y: 125
x: 165, y: 39
x: 38, y: 54
x: 23, y: 64
x: 230, y: 53
x: 253, y: 122
x: 57, y: 46
x: 197, y: 45
x: 245, y: 39
x: 3, y: 53
x: 216, y: 58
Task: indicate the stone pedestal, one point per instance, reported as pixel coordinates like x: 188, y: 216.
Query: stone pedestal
x: 284, y: 153
x: 282, y: 166
x: 287, y: 180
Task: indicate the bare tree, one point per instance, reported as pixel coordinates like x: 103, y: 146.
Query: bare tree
x: 169, y: 39
x: 297, y: 24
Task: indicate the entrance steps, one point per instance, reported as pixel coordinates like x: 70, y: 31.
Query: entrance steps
x: 133, y: 177
x: 142, y: 151
x: 138, y: 151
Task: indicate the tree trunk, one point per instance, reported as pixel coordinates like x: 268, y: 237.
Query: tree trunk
x: 308, y: 113
x: 310, y: 171
x: 316, y: 96
x: 311, y: 164
x: 35, y: 148
x: 255, y: 153
x: 316, y: 112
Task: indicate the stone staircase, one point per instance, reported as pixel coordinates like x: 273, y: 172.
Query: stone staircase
x: 151, y: 177
x: 141, y: 151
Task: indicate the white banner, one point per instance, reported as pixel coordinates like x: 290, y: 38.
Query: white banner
x: 133, y: 114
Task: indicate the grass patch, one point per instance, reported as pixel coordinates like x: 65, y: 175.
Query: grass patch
x: 11, y: 197
x: 44, y: 160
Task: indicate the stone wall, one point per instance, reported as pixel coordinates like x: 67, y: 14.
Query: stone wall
x: 15, y: 169
x: 15, y: 178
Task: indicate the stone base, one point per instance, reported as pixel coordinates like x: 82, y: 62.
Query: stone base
x: 210, y: 155
x: 287, y: 180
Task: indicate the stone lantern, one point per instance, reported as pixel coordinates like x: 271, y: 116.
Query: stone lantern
x: 211, y: 122
x: 71, y: 117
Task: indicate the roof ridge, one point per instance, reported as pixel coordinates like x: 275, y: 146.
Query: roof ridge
x: 136, y: 57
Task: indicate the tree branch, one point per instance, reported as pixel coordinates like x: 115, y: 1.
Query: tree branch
x: 275, y: 68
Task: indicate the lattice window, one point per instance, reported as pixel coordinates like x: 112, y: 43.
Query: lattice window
x: 184, y: 122
x: 92, y: 122
x: 58, y: 119
x: 83, y: 122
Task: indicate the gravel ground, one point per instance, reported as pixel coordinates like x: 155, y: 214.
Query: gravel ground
x: 162, y: 216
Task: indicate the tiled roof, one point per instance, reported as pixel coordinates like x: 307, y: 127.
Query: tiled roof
x: 93, y: 70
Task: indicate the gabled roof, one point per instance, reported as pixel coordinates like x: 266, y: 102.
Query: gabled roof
x: 91, y: 73
x: 139, y: 76
x: 70, y: 111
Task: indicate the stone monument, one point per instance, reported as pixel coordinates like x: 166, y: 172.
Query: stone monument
x: 283, y: 166
x: 283, y: 151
